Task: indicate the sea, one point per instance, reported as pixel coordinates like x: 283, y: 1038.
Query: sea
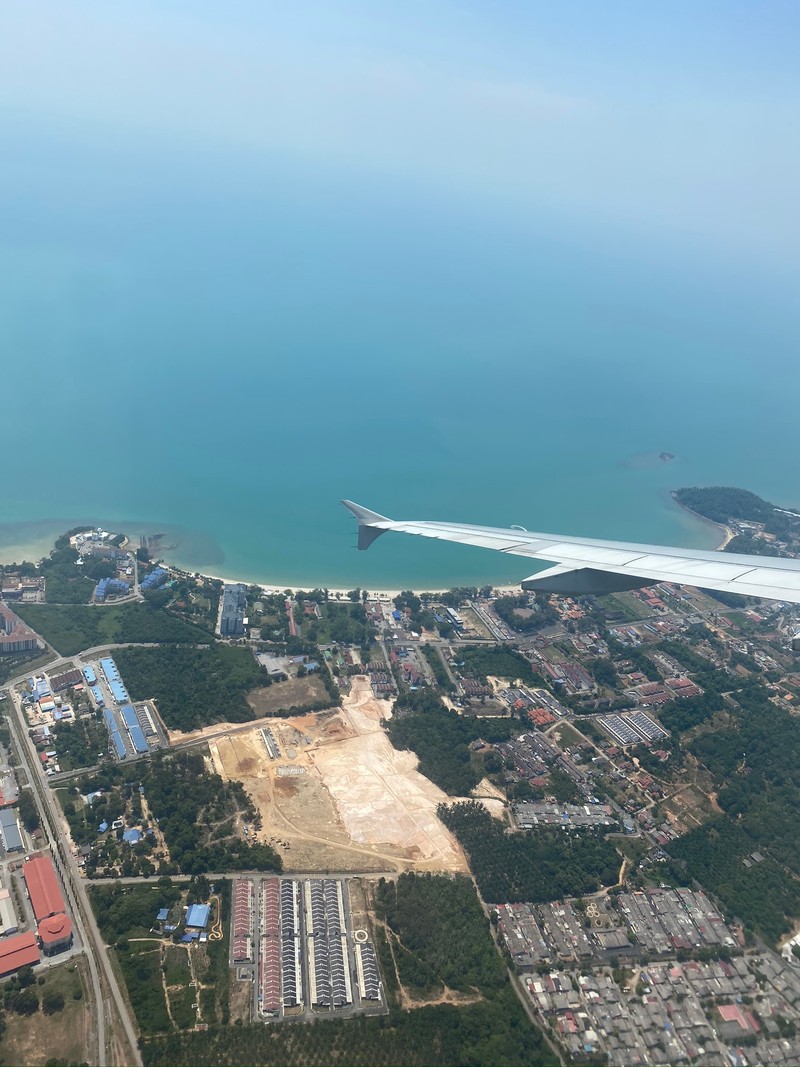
x: 219, y: 347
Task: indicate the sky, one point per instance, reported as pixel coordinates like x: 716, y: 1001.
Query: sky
x: 675, y: 120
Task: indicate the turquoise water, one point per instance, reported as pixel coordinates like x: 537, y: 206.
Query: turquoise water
x: 221, y: 350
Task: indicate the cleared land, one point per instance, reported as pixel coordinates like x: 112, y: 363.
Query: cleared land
x: 340, y: 797
x: 65, y: 1036
x: 294, y: 693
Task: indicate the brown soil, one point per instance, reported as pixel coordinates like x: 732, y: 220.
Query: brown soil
x: 292, y: 694
x: 355, y: 803
x: 241, y: 1000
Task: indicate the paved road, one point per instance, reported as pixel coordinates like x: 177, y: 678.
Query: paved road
x: 153, y: 879
x: 76, y: 896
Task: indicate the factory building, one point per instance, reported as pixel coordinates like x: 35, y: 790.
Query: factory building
x: 18, y: 951
x: 66, y: 680
x: 47, y: 901
x: 115, y: 737
x: 42, y: 885
x: 10, y: 831
x: 134, y: 729
x: 8, y: 917
x: 112, y: 675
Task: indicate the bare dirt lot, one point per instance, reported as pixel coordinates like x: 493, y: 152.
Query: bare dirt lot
x: 689, y: 808
x: 295, y: 693
x: 340, y: 797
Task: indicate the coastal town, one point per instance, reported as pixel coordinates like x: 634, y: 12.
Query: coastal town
x: 341, y: 742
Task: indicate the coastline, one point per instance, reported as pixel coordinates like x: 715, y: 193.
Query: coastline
x: 727, y: 533
x: 374, y: 594
x: 33, y: 550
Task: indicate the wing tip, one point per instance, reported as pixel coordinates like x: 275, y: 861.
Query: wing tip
x: 367, y: 532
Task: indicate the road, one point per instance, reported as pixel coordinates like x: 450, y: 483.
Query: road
x: 77, y: 898
x: 297, y: 875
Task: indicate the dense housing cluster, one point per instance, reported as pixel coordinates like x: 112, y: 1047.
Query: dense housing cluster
x: 294, y: 940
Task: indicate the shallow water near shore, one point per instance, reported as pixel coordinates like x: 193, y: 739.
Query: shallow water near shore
x: 223, y: 365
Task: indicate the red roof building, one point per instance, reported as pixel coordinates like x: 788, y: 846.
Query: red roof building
x: 55, y: 933
x: 18, y: 951
x: 43, y: 888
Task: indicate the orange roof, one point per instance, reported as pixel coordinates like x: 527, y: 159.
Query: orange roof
x: 43, y: 887
x: 55, y: 928
x: 18, y: 951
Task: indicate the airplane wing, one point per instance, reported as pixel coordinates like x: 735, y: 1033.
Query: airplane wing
x: 582, y: 565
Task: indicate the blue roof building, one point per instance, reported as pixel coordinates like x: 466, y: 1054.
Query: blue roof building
x: 116, y: 737
x: 101, y: 829
x: 119, y: 692
x: 9, y: 829
x: 163, y: 915
x: 134, y: 729
x: 110, y: 587
x: 197, y: 915
x: 154, y: 579
x: 89, y: 675
x: 132, y: 836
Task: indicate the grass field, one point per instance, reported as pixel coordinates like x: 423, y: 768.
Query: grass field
x: 61, y: 1037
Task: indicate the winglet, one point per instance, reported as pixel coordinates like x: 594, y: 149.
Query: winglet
x: 367, y: 530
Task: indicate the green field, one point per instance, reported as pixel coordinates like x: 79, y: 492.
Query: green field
x: 71, y: 628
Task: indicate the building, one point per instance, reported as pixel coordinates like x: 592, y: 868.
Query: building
x: 135, y: 732
x: 197, y: 916
x: 234, y: 605
x: 42, y: 885
x: 110, y: 587
x: 55, y: 934
x: 115, y: 684
x: 15, y: 635
x: 67, y: 680
x: 154, y: 579
x: 21, y: 950
x: 8, y: 917
x: 10, y: 831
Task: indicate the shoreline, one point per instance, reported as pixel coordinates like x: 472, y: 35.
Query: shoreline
x: 340, y: 592
x: 373, y: 594
x: 727, y: 533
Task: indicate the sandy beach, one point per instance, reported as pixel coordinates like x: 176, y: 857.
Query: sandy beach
x: 36, y: 548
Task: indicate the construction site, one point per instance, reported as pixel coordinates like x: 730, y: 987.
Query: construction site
x: 334, y: 795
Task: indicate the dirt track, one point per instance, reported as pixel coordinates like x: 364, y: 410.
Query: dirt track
x: 341, y: 797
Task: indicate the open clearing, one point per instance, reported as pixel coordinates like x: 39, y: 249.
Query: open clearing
x: 294, y: 693
x: 64, y: 1036
x: 340, y: 797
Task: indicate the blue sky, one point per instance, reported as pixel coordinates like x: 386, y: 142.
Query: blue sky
x: 675, y: 120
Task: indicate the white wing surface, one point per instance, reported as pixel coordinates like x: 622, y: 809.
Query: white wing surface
x: 586, y: 566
